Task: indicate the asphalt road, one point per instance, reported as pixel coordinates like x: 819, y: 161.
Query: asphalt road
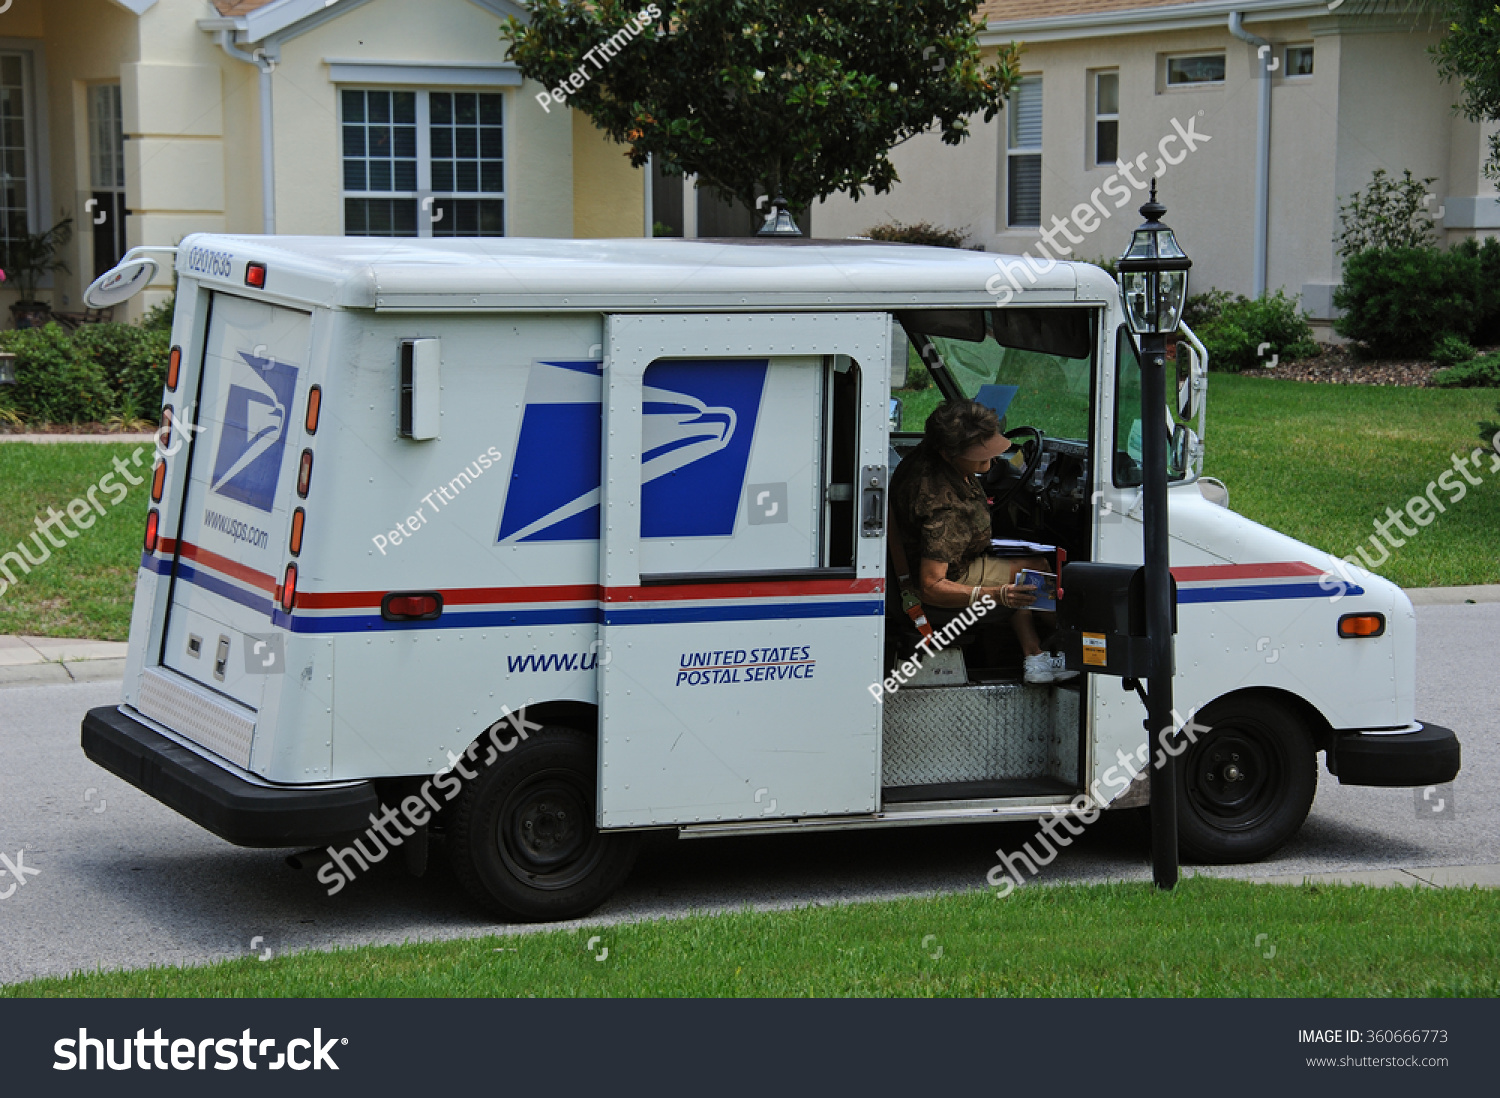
x: 124, y: 882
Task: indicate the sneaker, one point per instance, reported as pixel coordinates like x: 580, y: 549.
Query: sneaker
x: 1060, y: 672
x: 1039, y: 669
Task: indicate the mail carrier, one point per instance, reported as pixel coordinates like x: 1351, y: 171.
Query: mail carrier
x: 524, y: 548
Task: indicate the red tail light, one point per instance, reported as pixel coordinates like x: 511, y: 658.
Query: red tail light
x: 255, y: 275
x: 411, y: 606
x: 152, y: 519
x: 174, y: 365
x: 158, y: 481
x: 289, y: 588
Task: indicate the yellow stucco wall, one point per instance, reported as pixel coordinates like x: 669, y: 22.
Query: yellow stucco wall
x: 609, y: 196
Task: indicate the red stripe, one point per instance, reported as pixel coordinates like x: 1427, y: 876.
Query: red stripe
x: 230, y: 568
x: 1274, y: 570
x: 765, y: 589
x: 464, y: 596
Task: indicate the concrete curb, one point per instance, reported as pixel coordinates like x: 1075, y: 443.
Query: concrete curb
x: 63, y: 671
x: 1453, y: 596
x: 1443, y: 876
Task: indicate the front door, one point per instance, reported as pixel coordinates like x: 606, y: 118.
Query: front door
x: 742, y: 565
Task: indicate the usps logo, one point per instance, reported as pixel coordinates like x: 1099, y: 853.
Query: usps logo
x: 697, y: 422
x: 255, y: 419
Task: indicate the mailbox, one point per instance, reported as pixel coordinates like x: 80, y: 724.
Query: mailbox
x: 1102, y: 619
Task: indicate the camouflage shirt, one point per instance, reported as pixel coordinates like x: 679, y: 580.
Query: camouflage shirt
x: 943, y: 514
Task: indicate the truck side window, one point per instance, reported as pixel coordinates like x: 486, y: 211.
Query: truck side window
x: 1127, y: 444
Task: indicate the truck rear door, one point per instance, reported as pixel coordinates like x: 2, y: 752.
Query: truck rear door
x: 231, y: 551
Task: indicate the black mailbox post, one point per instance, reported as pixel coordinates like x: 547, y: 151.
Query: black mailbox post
x: 1103, y: 621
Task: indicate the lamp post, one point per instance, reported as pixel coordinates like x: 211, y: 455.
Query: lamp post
x: 779, y: 221
x: 1153, y: 283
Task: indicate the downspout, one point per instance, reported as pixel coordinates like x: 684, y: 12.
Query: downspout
x: 1266, y: 63
x: 265, y: 61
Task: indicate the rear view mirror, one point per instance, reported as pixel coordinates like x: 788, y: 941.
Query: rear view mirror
x: 1192, y: 376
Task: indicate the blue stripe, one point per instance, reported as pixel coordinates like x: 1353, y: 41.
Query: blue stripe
x: 1257, y: 592
x: 155, y: 564
x: 473, y: 619
x: 259, y: 603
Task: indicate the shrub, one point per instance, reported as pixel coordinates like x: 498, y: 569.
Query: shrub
x: 56, y: 380
x: 133, y: 361
x: 158, y: 318
x: 1199, y: 309
x: 1108, y: 263
x: 1396, y: 301
x: 922, y: 232
x: 1487, y: 288
x: 1390, y: 213
x: 1451, y: 350
x: 1235, y: 337
x: 1480, y: 373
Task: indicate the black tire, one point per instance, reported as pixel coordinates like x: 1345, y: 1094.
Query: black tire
x: 1245, y: 787
x: 523, y: 841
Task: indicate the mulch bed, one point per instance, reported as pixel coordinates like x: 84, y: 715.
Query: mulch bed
x: 1339, y: 365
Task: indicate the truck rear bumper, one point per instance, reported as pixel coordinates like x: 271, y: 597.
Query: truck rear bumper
x: 1428, y: 756
x: 234, y: 809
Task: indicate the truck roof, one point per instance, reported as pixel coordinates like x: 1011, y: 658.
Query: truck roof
x: 529, y: 273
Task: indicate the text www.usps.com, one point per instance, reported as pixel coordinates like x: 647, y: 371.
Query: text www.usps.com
x: 239, y: 531
x: 85, y: 1053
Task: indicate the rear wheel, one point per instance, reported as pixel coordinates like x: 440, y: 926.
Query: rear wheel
x: 1244, y: 787
x: 523, y: 840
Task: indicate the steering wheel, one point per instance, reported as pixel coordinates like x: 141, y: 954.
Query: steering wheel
x: 1032, y: 449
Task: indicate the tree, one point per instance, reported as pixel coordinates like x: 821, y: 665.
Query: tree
x: 767, y: 97
x: 1390, y: 213
x: 1470, y: 53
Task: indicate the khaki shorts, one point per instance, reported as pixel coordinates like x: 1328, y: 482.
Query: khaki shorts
x: 983, y: 571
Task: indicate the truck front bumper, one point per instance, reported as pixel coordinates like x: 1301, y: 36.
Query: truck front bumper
x: 240, y: 811
x: 1428, y: 756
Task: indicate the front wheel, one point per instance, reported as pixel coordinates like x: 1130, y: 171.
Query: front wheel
x: 523, y: 840
x: 1244, y: 787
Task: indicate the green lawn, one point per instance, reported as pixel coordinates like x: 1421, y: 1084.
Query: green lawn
x: 85, y: 587
x: 1322, y: 462
x: 1206, y: 938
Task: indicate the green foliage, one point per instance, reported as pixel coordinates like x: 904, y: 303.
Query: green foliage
x: 29, y: 257
x: 1470, y: 53
x: 56, y: 380
x: 795, y: 98
x: 1452, y: 350
x: 1397, y: 301
x: 158, y: 318
x: 920, y: 232
x: 1390, y: 213
x: 1480, y: 373
x: 1245, y: 334
x: 1107, y: 263
x: 133, y: 361
x: 1486, y: 287
x: 1199, y: 309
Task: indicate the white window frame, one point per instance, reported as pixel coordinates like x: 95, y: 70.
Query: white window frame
x: 1012, y: 151
x: 1286, y: 61
x: 424, y: 190
x: 1103, y: 116
x: 1166, y: 70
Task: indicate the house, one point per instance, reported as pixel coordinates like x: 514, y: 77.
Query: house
x: 146, y: 120
x: 1258, y: 118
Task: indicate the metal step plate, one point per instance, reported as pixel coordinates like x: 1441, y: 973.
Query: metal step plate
x: 991, y: 732
x: 220, y: 726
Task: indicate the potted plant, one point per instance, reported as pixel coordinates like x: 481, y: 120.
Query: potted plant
x: 32, y: 257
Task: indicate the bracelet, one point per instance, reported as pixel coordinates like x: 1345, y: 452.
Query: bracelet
x: 974, y: 596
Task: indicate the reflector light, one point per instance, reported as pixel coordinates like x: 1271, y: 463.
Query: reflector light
x: 299, y: 518
x: 174, y: 364
x: 304, y: 473
x: 411, y: 606
x: 314, y: 406
x: 158, y: 481
x: 152, y: 519
x: 1361, y: 625
x: 255, y: 275
x: 289, y: 588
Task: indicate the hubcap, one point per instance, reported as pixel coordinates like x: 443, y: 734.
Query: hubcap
x: 545, y: 830
x: 1234, y: 776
